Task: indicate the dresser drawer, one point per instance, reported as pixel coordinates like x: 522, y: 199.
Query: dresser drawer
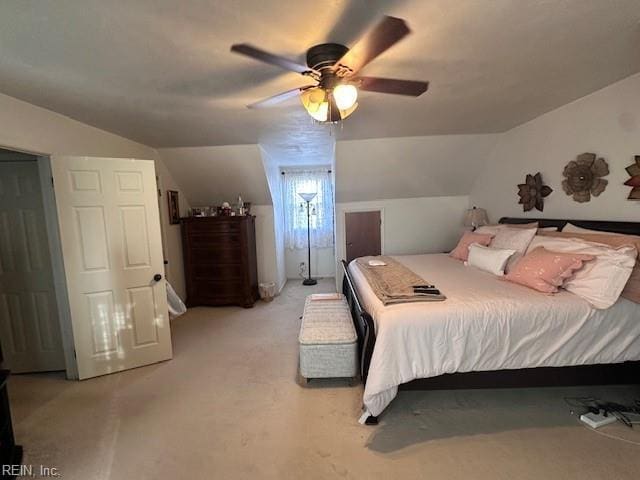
x: 221, y: 255
x: 216, y: 227
x: 212, y: 239
x: 208, y: 271
x: 216, y: 292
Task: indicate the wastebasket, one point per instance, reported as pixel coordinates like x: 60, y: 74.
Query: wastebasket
x: 267, y: 291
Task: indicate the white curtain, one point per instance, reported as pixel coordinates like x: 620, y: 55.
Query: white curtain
x: 316, y: 181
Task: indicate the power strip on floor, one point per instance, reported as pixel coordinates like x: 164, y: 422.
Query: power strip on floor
x: 597, y: 420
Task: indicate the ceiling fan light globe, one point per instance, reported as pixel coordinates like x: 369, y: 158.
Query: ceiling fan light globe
x: 345, y: 96
x: 313, y: 96
x: 313, y: 107
x: 317, y: 95
x: 345, y: 113
x: 321, y: 113
x: 315, y: 103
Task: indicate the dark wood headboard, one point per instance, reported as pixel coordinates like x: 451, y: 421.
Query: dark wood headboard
x: 630, y: 228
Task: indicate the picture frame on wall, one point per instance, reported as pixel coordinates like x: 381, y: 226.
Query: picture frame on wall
x: 174, y: 207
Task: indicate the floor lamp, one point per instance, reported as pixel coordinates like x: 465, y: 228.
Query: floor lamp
x: 307, y: 197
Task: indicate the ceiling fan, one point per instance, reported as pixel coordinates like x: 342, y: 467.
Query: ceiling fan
x: 335, y: 69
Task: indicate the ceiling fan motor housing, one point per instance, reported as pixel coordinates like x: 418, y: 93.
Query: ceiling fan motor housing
x: 325, y: 55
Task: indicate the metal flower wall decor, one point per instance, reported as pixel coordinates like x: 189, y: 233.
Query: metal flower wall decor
x: 532, y: 192
x: 634, y: 181
x: 583, y: 177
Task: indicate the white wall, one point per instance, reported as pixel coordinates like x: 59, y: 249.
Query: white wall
x: 266, y: 245
x: 172, y: 235
x: 606, y: 122
x: 33, y: 129
x: 409, y: 225
x: 410, y: 167
x: 277, y: 255
x: 322, y: 262
x: 26, y: 127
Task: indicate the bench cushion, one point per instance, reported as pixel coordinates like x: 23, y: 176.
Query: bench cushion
x: 327, y: 322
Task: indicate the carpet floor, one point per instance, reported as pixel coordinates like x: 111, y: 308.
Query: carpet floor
x: 231, y: 405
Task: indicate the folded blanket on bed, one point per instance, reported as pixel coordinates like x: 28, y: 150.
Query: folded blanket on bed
x: 393, y: 282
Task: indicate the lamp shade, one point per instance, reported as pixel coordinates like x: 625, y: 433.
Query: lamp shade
x: 307, y: 197
x: 476, y: 217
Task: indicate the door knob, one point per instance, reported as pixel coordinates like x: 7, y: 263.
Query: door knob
x: 157, y: 277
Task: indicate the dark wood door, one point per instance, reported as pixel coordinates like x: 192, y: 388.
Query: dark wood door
x: 362, y: 233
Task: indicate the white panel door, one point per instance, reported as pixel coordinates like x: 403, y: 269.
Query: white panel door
x: 29, y: 326
x: 112, y: 250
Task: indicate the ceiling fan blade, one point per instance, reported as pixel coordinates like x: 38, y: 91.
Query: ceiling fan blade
x: 412, y: 88
x: 281, y: 97
x: 270, y: 58
x: 383, y: 36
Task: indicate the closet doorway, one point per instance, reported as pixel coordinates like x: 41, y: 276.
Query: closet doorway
x: 30, y: 334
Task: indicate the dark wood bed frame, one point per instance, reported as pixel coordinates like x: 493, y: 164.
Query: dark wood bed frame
x: 601, y: 374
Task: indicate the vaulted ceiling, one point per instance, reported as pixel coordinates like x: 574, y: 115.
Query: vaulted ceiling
x: 160, y: 71
x: 212, y: 175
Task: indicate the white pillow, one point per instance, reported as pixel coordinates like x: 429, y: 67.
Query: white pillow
x: 517, y: 239
x: 492, y: 260
x: 487, y: 229
x: 571, y: 228
x: 493, y: 229
x: 601, y: 281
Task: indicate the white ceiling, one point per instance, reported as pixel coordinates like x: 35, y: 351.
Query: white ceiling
x: 160, y: 71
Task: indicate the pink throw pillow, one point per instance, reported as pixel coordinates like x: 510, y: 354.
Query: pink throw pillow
x: 461, y: 252
x: 544, y: 270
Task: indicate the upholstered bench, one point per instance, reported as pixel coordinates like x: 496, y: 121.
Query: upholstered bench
x: 328, y: 341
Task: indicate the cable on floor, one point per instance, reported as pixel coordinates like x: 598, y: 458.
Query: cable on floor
x: 614, y: 437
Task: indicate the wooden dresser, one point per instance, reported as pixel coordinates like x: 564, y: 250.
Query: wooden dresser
x: 220, y: 264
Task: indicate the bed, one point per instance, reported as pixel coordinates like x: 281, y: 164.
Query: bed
x: 489, y: 332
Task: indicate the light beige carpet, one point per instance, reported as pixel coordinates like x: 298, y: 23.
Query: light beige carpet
x: 230, y: 405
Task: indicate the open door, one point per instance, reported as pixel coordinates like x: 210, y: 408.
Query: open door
x: 29, y: 326
x: 112, y: 250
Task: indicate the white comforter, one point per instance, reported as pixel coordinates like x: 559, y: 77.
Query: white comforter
x: 486, y: 323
